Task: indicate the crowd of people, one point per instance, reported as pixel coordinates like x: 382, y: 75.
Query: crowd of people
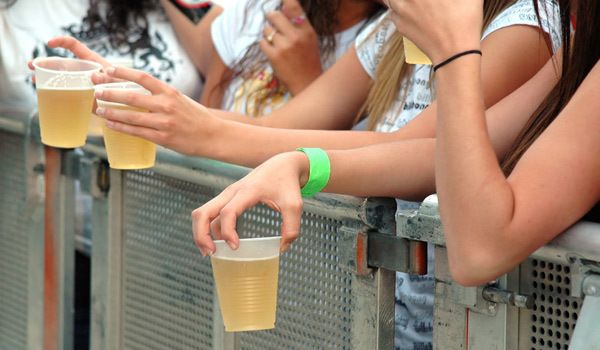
x: 316, y: 96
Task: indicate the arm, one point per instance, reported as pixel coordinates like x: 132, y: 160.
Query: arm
x: 195, y: 38
x: 492, y: 222
x: 324, y: 104
x: 409, y: 166
x: 336, y: 95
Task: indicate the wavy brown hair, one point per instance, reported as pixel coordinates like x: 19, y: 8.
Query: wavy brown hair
x: 577, y: 61
x: 322, y: 15
x: 392, y: 72
x: 120, y: 17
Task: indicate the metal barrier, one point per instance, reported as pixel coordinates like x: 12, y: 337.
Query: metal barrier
x: 536, y: 306
x: 21, y: 235
x: 153, y: 290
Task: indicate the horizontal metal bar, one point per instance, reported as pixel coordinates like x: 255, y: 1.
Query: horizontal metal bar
x: 219, y: 175
x: 12, y: 125
x: 581, y: 241
x: 388, y: 251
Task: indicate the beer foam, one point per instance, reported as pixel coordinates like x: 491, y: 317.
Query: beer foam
x: 68, y: 81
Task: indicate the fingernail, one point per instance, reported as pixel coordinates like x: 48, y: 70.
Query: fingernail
x: 100, y: 110
x: 233, y: 245
x: 210, y: 253
x: 110, y: 70
x: 110, y: 124
x: 98, y: 94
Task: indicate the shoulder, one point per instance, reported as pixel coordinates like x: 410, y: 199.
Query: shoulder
x: 544, y: 14
x: 371, y: 43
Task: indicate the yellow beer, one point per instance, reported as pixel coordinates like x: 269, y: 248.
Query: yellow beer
x: 413, y: 54
x: 247, y: 291
x: 64, y: 115
x: 126, y: 151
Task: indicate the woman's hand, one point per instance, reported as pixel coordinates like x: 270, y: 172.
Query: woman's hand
x: 173, y: 120
x: 77, y: 48
x: 441, y: 28
x: 276, y: 183
x: 292, y: 46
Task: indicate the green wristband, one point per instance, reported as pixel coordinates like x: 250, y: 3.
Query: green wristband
x: 320, y: 169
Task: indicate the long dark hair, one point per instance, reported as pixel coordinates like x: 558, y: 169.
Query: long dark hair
x: 120, y: 17
x: 322, y: 14
x: 577, y: 62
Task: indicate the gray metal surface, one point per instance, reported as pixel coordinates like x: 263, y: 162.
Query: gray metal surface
x: 167, y: 287
x: 14, y: 243
x: 550, y: 324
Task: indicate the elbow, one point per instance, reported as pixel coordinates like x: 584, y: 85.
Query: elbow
x: 472, y: 269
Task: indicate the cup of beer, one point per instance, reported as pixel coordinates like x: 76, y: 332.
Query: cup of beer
x: 65, y: 99
x: 414, y: 55
x: 246, y: 280
x: 96, y: 123
x: 126, y: 151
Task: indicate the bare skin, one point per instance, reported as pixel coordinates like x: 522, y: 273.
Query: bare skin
x: 491, y: 222
x: 331, y: 102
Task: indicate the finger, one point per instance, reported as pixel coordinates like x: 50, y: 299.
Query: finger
x: 291, y: 212
x: 215, y: 228
x: 134, y: 99
x: 30, y: 65
x: 268, y: 49
x: 242, y: 201
x: 155, y: 86
x: 271, y: 34
x: 145, y: 133
x: 133, y: 118
x: 281, y: 23
x: 202, y: 217
x: 77, y: 48
x: 292, y: 8
x: 102, y: 78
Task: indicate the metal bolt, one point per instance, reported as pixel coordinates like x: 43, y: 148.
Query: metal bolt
x: 591, y: 290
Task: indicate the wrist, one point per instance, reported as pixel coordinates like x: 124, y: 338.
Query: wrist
x: 450, y: 49
x: 301, y: 166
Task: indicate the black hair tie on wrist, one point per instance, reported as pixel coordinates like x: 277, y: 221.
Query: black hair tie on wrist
x: 460, y: 54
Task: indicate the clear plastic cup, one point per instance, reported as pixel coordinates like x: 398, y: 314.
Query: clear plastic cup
x: 413, y: 54
x: 65, y: 99
x: 246, y: 281
x: 97, y: 123
x: 126, y: 151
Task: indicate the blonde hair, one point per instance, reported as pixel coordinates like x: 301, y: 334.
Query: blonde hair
x: 391, y: 72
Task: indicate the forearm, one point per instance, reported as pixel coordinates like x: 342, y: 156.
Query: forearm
x: 251, y: 145
x: 235, y: 116
x: 475, y: 199
x: 402, y: 169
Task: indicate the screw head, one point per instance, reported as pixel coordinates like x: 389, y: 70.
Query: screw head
x: 591, y: 290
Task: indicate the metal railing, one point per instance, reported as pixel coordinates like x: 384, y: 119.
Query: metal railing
x: 151, y: 289
x: 548, y: 302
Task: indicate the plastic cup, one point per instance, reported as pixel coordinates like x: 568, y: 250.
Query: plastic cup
x: 65, y: 99
x: 97, y: 123
x: 126, y: 151
x: 413, y: 54
x: 246, y: 281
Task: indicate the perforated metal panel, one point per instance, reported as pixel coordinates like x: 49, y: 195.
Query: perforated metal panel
x: 168, y: 287
x: 551, y: 322
x: 315, y: 295
x: 13, y: 243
